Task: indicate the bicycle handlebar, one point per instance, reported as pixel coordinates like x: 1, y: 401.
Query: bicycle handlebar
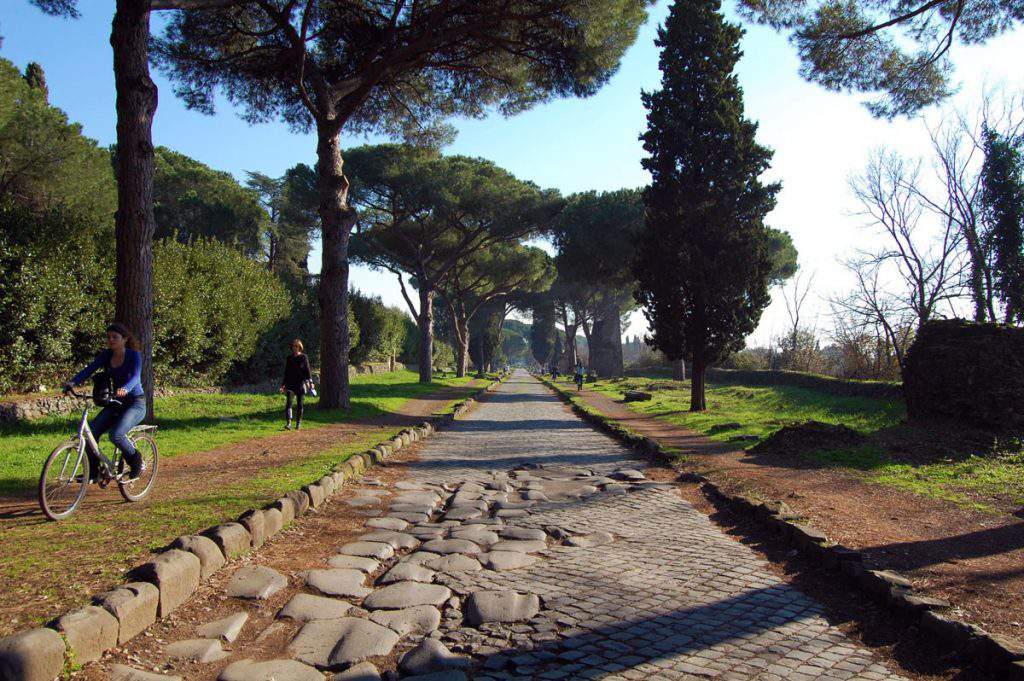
x: 71, y: 391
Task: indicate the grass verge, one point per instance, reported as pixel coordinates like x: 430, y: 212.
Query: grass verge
x: 941, y: 461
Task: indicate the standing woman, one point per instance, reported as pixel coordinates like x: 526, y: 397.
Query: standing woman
x: 123, y: 364
x: 296, y: 376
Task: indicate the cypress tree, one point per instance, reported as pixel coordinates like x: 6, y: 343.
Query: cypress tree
x: 703, y: 265
x: 1002, y: 177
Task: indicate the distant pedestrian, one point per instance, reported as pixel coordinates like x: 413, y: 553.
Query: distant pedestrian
x: 579, y: 376
x: 554, y: 372
x: 297, y: 379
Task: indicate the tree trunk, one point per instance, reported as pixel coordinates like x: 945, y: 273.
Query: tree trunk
x: 336, y: 220
x: 590, y: 345
x: 462, y: 361
x: 134, y: 222
x: 426, y: 324
x: 678, y: 370
x: 697, y: 402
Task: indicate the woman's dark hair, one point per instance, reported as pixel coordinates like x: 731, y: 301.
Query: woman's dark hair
x: 122, y: 330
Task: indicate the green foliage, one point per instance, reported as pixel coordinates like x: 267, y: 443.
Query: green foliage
x: 211, y: 304
x: 291, y: 203
x: 1002, y: 179
x: 543, y: 333
x: 54, y: 296
x: 45, y: 161
x: 895, y: 48
x: 456, y: 58
x: 192, y: 201
x: 382, y: 329
x: 704, y: 264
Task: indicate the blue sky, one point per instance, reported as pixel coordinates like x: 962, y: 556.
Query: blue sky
x: 820, y: 138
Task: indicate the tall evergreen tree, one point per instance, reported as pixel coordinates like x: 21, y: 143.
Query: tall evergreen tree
x: 1002, y: 177
x: 704, y: 264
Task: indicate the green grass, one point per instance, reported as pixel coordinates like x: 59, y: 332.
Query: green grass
x: 982, y: 480
x: 200, y: 422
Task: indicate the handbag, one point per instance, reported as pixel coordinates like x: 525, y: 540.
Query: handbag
x: 102, y: 389
x: 311, y: 388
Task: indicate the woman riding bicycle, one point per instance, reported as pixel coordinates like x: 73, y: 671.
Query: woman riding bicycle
x: 123, y: 364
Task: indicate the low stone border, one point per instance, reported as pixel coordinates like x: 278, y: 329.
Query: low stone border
x: 999, y: 655
x: 157, y: 588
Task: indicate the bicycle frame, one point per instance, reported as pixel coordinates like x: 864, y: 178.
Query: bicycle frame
x: 87, y: 439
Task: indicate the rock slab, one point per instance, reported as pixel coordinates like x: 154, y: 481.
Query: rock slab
x: 405, y: 595
x: 255, y: 582
x: 332, y: 644
x: 500, y: 606
x: 271, y: 670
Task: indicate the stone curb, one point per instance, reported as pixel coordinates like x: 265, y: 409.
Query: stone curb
x: 999, y: 655
x: 175, y: 573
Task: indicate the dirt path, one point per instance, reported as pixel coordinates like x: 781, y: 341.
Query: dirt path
x: 974, y: 560
x: 46, y: 568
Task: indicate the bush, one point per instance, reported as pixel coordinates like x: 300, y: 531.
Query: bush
x: 382, y: 329
x: 211, y: 306
x: 967, y: 371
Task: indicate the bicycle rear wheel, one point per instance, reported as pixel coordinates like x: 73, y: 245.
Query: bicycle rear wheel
x: 140, y: 487
x: 63, y: 481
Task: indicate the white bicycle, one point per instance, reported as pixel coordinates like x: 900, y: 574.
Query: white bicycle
x: 65, y: 477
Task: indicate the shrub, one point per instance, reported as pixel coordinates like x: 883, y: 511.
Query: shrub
x: 382, y: 329
x: 211, y: 306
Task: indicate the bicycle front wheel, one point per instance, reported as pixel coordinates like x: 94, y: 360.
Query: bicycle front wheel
x: 135, y: 490
x: 63, y: 481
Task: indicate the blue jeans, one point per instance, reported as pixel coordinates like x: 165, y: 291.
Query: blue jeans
x: 118, y: 421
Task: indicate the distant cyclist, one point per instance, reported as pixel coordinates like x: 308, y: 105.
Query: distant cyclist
x: 297, y: 376
x: 578, y: 375
x: 123, y: 365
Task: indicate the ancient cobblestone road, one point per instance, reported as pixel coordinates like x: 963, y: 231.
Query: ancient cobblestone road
x: 526, y: 545
x: 670, y: 598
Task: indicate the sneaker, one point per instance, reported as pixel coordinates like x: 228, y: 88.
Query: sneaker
x: 298, y: 425
x: 288, y: 426
x: 92, y: 479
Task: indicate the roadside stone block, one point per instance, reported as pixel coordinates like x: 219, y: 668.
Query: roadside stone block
x: 339, y: 479
x: 134, y: 605
x: 273, y: 521
x: 317, y: 495
x: 211, y: 558
x: 89, y: 632
x: 34, y: 655
x: 175, y: 573
x: 327, y: 482
x: 357, y: 464
x: 253, y: 522
x: 232, y: 538
x: 300, y: 500
x: 287, y: 508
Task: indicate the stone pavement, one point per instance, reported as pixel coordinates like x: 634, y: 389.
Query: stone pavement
x: 526, y: 545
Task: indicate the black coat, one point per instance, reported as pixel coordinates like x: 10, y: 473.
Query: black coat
x: 296, y: 373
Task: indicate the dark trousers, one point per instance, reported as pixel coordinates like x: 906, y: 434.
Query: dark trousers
x: 118, y: 420
x: 299, y: 395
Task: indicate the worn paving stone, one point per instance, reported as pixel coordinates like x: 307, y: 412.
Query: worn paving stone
x: 431, y: 655
x: 338, y: 582
x: 393, y: 524
x: 455, y: 562
x: 255, y: 582
x: 202, y: 650
x: 366, y: 565
x: 506, y: 560
x: 520, y: 545
x: 446, y: 546
x: 405, y: 595
x: 478, y: 534
x: 308, y: 607
x: 120, y: 672
x: 333, y: 644
x: 397, y: 540
x: 226, y: 629
x: 368, y: 549
x: 417, y: 620
x: 271, y: 670
x: 407, y: 572
x: 599, y: 538
x: 522, y: 533
x: 364, y: 671
x: 500, y: 606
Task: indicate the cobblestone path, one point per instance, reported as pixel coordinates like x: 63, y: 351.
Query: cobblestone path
x: 524, y: 545
x: 670, y: 597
